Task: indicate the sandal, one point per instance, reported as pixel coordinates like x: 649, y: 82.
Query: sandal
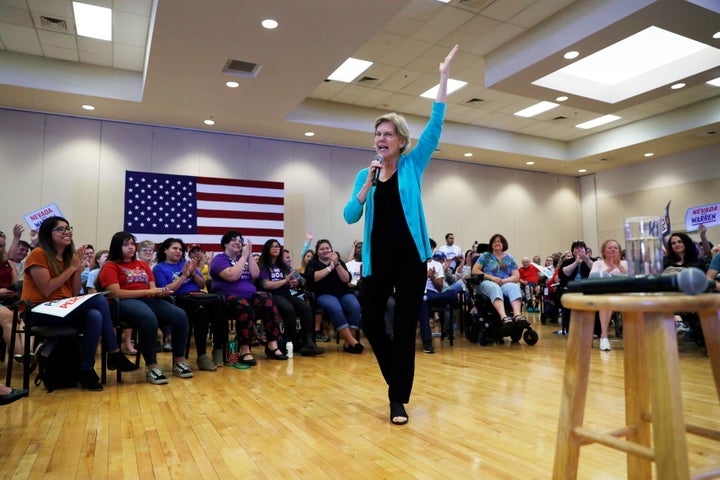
x: 398, y: 415
x: 520, y: 318
x: 507, y: 320
x: 204, y: 363
x: 274, y: 354
x: 248, y: 361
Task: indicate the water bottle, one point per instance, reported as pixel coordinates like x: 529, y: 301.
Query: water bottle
x: 289, y: 347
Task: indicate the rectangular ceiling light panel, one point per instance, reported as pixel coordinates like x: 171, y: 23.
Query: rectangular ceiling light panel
x: 642, y: 62
x: 93, y: 21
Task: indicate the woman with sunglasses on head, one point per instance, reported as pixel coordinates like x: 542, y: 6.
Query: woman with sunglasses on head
x: 52, y: 272
x: 276, y: 277
x: 142, y: 304
x: 233, y: 272
x: 395, y: 240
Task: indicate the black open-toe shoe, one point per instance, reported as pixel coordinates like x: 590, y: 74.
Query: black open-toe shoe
x: 398, y: 415
x: 273, y: 353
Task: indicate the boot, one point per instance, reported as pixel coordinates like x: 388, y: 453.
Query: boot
x: 117, y: 360
x: 309, y: 348
x: 90, y: 381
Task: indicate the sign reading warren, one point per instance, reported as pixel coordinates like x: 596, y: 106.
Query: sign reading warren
x: 708, y: 215
x: 34, y: 219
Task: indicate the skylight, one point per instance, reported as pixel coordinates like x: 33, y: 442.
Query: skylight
x: 536, y: 109
x: 92, y: 21
x: 644, y: 61
x: 349, y: 70
x: 452, y: 86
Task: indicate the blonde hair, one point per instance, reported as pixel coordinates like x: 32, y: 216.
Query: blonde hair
x: 401, y: 127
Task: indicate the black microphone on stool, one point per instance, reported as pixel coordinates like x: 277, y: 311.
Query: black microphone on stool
x: 691, y: 281
x: 376, y: 173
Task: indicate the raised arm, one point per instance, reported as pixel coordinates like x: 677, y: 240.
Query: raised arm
x: 445, y: 75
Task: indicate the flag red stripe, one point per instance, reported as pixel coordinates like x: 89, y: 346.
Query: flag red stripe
x: 240, y: 183
x: 223, y: 197
x: 246, y: 232
x: 202, y: 213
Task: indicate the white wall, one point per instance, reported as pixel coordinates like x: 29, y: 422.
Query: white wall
x: 80, y: 164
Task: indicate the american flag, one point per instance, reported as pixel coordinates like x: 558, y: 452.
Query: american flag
x: 199, y: 210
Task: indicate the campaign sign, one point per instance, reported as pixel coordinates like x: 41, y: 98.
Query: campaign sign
x: 34, y: 219
x: 708, y: 215
x: 63, y: 306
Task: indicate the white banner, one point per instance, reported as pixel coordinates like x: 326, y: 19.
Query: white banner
x: 708, y: 215
x: 34, y: 219
x: 63, y: 306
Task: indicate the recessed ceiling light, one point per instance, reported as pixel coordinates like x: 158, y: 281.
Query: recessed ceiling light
x: 88, y: 107
x: 269, y: 23
x: 598, y: 121
x: 444, y: 1
x: 93, y: 21
x: 678, y: 86
x: 582, y: 170
x: 715, y: 82
x: 232, y: 84
x: 209, y: 121
x: 571, y: 54
x: 309, y: 134
x: 561, y: 98
x: 641, y: 62
x: 648, y: 154
x: 717, y: 35
x: 349, y: 70
x: 530, y: 163
x: 467, y: 154
x: 536, y: 109
x: 452, y: 86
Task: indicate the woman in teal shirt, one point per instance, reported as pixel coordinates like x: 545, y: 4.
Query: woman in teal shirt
x: 396, y: 240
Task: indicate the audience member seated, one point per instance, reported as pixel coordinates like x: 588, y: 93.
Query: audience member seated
x: 186, y: 282
x: 202, y: 262
x: 142, y: 305
x: 233, y: 272
x: 90, y: 262
x: 576, y: 266
x: 276, y: 277
x: 354, y: 266
x: 19, y: 249
x: 529, y: 284
x: 53, y: 273
x: 327, y: 278
x: 435, y: 296
x: 453, y: 253
x: 8, y: 295
x: 501, y: 276
x: 609, y: 264
x: 714, y: 269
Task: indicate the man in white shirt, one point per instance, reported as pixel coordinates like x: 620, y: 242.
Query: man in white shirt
x: 452, y: 252
x: 354, y: 266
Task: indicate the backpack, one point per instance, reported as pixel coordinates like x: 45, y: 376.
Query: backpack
x: 59, y: 363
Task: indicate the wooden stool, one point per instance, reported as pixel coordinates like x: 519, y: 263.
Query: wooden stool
x: 652, y: 378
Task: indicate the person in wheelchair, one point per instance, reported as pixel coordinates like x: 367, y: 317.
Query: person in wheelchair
x: 501, y: 277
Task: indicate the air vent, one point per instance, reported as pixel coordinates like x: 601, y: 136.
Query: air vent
x: 53, y: 23
x: 474, y: 101
x: 559, y: 117
x: 244, y: 69
x: 366, y: 79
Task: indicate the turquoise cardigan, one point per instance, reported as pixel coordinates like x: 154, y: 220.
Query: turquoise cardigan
x: 410, y: 171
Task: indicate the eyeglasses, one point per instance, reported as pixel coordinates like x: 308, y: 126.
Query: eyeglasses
x: 63, y: 229
x: 236, y: 239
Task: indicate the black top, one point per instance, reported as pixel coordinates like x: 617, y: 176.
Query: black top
x: 330, y: 284
x: 391, y: 238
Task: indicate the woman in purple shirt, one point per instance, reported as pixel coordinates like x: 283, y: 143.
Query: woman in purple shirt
x: 232, y: 273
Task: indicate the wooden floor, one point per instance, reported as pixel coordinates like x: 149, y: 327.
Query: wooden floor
x: 476, y: 412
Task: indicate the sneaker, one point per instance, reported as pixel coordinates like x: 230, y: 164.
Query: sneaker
x: 182, y: 370
x: 156, y: 376
x: 321, y: 337
x: 167, y: 347
x: 605, y: 344
x: 428, y: 346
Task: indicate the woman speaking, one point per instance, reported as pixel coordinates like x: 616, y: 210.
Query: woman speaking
x: 396, y: 240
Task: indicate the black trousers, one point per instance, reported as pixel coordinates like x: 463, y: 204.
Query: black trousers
x: 395, y: 354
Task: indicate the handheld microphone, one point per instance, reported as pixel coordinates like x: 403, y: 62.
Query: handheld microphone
x: 376, y: 173
x: 691, y: 281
